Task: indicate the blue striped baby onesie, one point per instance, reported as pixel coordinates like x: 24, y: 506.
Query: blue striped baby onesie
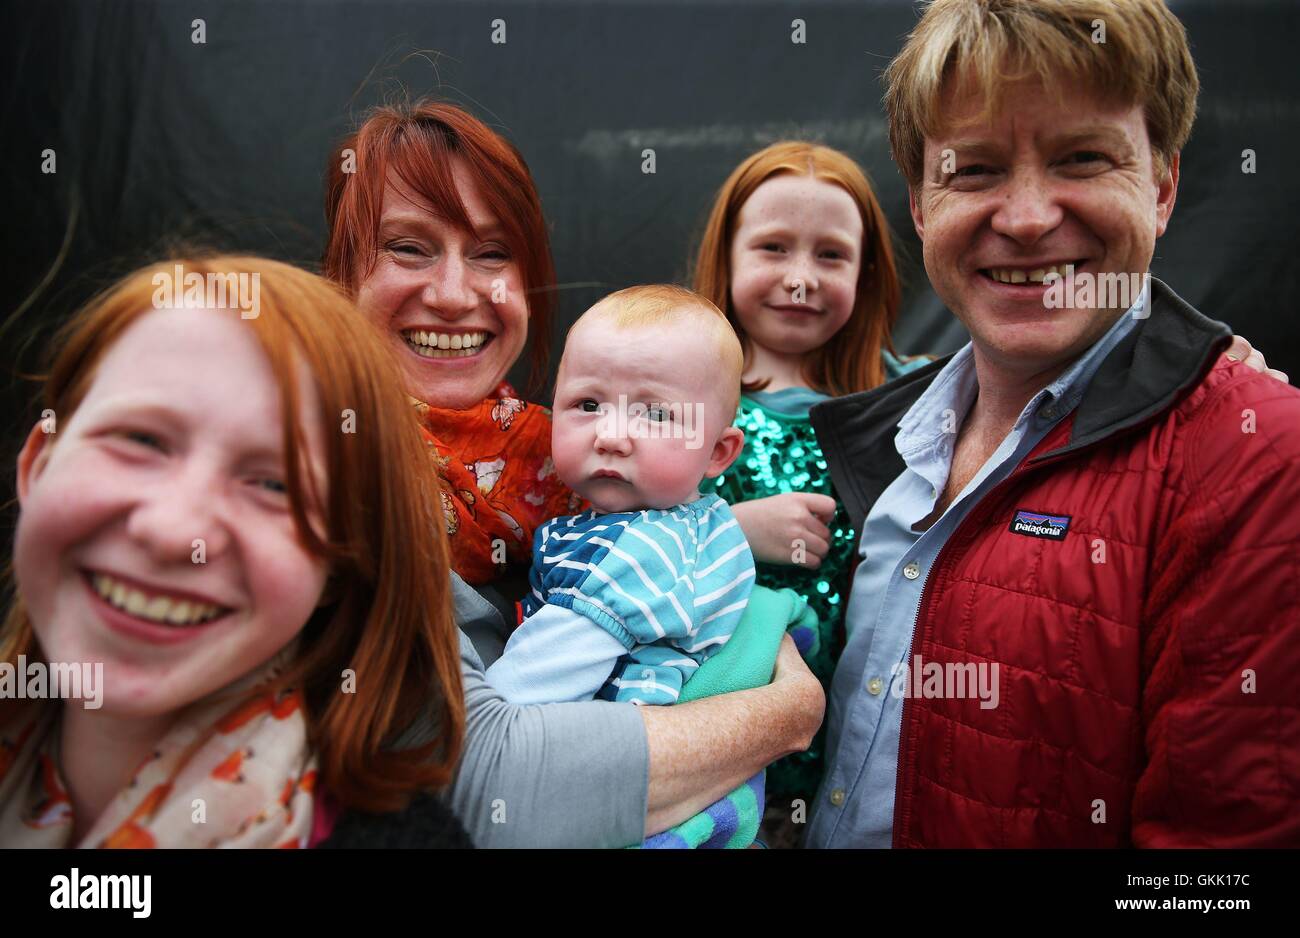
x: 670, y: 585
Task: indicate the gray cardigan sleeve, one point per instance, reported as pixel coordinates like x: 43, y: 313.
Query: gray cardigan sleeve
x: 549, y: 775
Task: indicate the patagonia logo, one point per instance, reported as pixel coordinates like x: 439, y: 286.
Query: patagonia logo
x: 1036, y: 524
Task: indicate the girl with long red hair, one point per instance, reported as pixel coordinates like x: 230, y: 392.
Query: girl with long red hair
x: 797, y: 253
x: 192, y: 522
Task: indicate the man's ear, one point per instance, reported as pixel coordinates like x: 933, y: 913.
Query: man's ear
x: 1166, y: 195
x: 32, y: 459
x: 913, y: 206
x: 725, y: 451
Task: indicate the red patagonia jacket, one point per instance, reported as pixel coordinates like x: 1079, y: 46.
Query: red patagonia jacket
x: 1147, y: 634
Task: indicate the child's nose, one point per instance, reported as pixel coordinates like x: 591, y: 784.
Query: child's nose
x: 801, y: 270
x: 613, y: 443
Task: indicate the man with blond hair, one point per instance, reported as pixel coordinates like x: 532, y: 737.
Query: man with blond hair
x: 1076, y: 616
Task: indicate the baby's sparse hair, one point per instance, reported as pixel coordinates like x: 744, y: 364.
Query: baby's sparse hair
x: 663, y: 304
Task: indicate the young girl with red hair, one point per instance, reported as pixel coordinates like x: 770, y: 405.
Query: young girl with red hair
x: 797, y: 253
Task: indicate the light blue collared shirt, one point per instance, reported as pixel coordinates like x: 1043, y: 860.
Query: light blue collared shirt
x: 855, y: 805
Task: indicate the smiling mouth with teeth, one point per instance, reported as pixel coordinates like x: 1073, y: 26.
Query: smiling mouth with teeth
x: 446, y: 344
x: 154, y: 607
x: 1020, y: 275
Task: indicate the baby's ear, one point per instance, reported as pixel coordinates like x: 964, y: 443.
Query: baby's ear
x: 33, y: 457
x: 725, y: 451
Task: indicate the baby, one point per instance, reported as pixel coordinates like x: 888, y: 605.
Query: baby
x: 629, y: 598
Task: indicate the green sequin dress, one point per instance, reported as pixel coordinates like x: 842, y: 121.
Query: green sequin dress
x: 781, y: 454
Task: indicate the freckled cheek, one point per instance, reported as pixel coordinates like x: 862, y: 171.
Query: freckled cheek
x: 512, y: 315
x: 1120, y: 228
x: 944, y: 248
x: 843, y: 295
x: 748, y: 288
x: 381, y: 297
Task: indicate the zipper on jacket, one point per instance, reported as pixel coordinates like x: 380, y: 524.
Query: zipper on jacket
x: 1026, y: 467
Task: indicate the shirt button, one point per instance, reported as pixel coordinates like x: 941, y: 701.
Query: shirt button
x: 1049, y: 412
x: 837, y: 797
x: 874, y: 686
x: 912, y: 570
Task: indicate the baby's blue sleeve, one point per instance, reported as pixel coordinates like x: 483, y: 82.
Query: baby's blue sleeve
x: 639, y: 586
x: 556, y: 656
x: 689, y: 618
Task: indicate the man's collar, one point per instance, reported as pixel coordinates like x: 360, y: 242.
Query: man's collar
x: 1151, y: 367
x: 933, y: 419
x: 1159, y: 359
x: 1070, y: 386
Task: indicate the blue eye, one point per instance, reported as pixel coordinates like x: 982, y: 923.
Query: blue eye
x: 658, y: 413
x: 269, y: 484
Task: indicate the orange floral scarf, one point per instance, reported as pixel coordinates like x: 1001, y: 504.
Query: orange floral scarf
x: 499, y: 483
x: 233, y: 771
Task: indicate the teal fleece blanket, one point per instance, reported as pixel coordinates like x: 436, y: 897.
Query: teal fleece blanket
x: 746, y: 661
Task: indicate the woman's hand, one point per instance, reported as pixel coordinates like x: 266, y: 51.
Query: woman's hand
x: 809, y: 700
x: 702, y: 749
x: 787, y: 529
x: 1241, y: 350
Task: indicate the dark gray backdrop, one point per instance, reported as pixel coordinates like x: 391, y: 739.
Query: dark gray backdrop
x: 159, y: 139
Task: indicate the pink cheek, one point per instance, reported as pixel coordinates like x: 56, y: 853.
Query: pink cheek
x: 61, y: 509
x: 384, y: 295
x: 515, y: 320
x: 765, y: 282
x: 846, y: 301
x: 568, y: 448
x: 54, y: 527
x: 284, y: 583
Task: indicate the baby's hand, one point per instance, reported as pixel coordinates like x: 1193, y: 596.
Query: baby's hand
x: 788, y: 529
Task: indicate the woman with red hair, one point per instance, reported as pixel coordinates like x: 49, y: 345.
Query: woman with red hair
x: 271, y: 679
x: 436, y: 228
